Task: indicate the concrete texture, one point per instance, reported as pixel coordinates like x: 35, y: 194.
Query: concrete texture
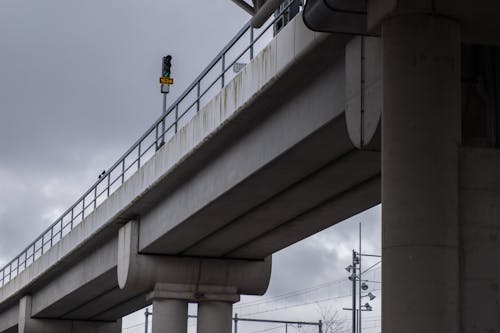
x: 478, y: 19
x: 9, y: 319
x: 264, y: 141
x: 420, y: 141
x: 139, y: 272
x: 170, y: 315
x: 480, y: 241
x: 27, y: 324
x: 215, y: 317
x: 363, y: 91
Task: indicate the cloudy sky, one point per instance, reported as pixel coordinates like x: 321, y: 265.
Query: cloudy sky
x: 78, y: 85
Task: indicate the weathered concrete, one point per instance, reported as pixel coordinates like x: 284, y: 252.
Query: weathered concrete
x: 142, y: 271
x: 363, y: 91
x: 480, y: 242
x: 478, y: 19
x: 9, y: 319
x: 420, y: 140
x: 214, y: 317
x: 260, y: 146
x: 28, y: 324
x: 169, y: 315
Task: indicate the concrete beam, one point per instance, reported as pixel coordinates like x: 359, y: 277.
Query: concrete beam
x: 27, y: 324
x: 9, y: 318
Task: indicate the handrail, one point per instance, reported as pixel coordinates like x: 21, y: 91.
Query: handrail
x: 139, y: 153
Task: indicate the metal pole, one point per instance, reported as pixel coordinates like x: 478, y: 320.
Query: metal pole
x: 164, y: 111
x: 286, y: 328
x: 320, y: 327
x: 359, y: 282
x: 146, y: 315
x: 235, y: 323
x: 353, y: 291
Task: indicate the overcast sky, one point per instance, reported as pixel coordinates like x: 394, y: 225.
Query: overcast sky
x: 78, y: 85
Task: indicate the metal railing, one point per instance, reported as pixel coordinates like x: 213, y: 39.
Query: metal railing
x: 178, y: 114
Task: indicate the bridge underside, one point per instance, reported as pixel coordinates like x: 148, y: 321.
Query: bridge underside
x: 273, y: 165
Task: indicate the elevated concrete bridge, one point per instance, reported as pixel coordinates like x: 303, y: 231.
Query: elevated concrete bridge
x: 266, y: 163
x: 294, y: 144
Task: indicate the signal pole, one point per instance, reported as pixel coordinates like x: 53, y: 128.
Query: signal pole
x: 166, y: 81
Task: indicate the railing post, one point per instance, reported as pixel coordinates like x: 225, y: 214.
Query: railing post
x: 320, y: 327
x: 157, y: 136
x: 223, y: 61
x: 198, y: 97
x: 176, y: 116
x: 235, y: 323
x: 139, y: 156
x: 95, y: 197
x: 109, y: 183
x: 123, y: 171
x: 251, y: 42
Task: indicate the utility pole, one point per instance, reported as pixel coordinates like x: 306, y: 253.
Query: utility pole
x: 353, y: 278
x: 359, y: 280
x: 358, y: 285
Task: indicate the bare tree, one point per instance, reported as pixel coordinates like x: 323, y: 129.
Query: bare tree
x: 332, y: 323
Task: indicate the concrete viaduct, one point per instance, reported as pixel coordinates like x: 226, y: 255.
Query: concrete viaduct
x: 316, y: 128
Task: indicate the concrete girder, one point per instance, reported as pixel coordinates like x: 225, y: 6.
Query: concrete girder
x: 27, y: 324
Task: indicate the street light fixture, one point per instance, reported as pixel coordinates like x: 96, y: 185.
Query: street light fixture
x: 359, y: 285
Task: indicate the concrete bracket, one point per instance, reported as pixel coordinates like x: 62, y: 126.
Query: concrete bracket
x: 142, y: 272
x: 363, y: 92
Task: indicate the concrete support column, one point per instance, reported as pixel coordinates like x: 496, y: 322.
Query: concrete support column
x: 214, y: 317
x: 170, y: 315
x: 420, y: 140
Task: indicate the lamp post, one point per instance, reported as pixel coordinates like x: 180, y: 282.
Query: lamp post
x: 358, y: 286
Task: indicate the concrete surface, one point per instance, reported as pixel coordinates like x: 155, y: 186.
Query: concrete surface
x: 478, y: 19
x: 260, y: 145
x: 480, y: 242
x: 420, y: 141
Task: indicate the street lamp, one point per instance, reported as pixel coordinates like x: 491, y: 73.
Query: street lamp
x: 359, y: 285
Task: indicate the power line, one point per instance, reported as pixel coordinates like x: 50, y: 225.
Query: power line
x: 269, y: 329
x: 133, y: 326
x: 290, y: 294
x: 296, y: 305
x: 301, y: 304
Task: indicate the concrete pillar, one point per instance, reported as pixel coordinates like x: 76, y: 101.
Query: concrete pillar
x: 170, y: 315
x: 420, y: 140
x: 214, y: 317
